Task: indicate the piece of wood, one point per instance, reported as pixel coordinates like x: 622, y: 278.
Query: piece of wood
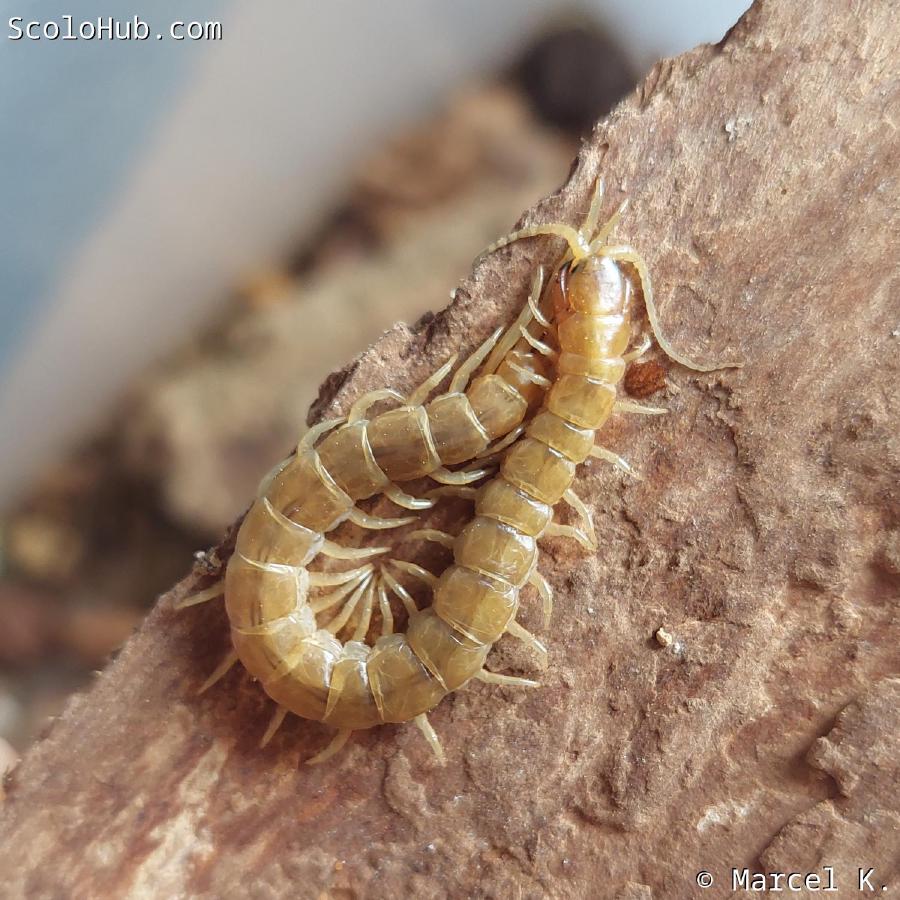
x: 764, y: 541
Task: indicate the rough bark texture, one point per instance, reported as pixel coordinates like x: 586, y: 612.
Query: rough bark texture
x: 765, y: 539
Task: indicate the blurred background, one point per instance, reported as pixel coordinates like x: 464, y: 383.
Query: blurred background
x: 195, y: 232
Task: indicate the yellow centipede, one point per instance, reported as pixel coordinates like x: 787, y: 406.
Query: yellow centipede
x: 268, y: 587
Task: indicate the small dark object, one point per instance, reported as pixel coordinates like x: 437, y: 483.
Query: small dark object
x: 644, y: 379
x: 574, y: 76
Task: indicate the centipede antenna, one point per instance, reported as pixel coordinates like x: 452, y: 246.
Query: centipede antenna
x: 578, y: 246
x: 628, y: 254
x: 219, y: 672
x: 430, y: 735
x: 216, y: 589
x: 335, y: 746
x: 274, y: 725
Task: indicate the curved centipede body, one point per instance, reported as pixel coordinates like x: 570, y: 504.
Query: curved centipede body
x: 277, y: 626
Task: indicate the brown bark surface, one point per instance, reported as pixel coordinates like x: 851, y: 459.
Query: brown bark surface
x: 764, y: 540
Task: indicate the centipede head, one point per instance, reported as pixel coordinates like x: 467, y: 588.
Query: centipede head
x: 594, y: 285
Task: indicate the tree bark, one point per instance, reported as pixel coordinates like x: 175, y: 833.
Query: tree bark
x: 760, y: 728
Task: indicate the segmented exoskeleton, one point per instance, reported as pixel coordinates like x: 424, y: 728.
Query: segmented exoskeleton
x: 301, y: 664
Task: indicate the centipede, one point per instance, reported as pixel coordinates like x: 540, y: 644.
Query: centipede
x: 545, y: 387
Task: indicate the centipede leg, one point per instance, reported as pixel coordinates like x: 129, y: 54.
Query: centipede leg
x: 335, y: 746
x: 330, y: 579
x: 408, y: 602
x: 581, y: 508
x: 463, y: 477
x: 361, y: 406
x: 420, y: 394
x: 313, y: 434
x: 396, y: 495
x: 593, y: 216
x: 645, y: 344
x: 554, y: 529
x: 274, y: 725
x: 500, y: 445
x: 219, y: 672
x: 377, y: 523
x: 342, y: 617
x: 542, y: 586
x: 430, y: 735
x: 320, y: 604
x: 416, y: 571
x: 540, y: 346
x: 526, y: 637
x: 338, y: 551
x: 210, y: 593
x: 461, y: 376
x: 505, y: 680
x: 598, y: 452
x: 384, y: 605
x: 465, y: 491
x: 627, y: 406
x: 435, y: 536
x: 512, y: 334
x: 365, y: 619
